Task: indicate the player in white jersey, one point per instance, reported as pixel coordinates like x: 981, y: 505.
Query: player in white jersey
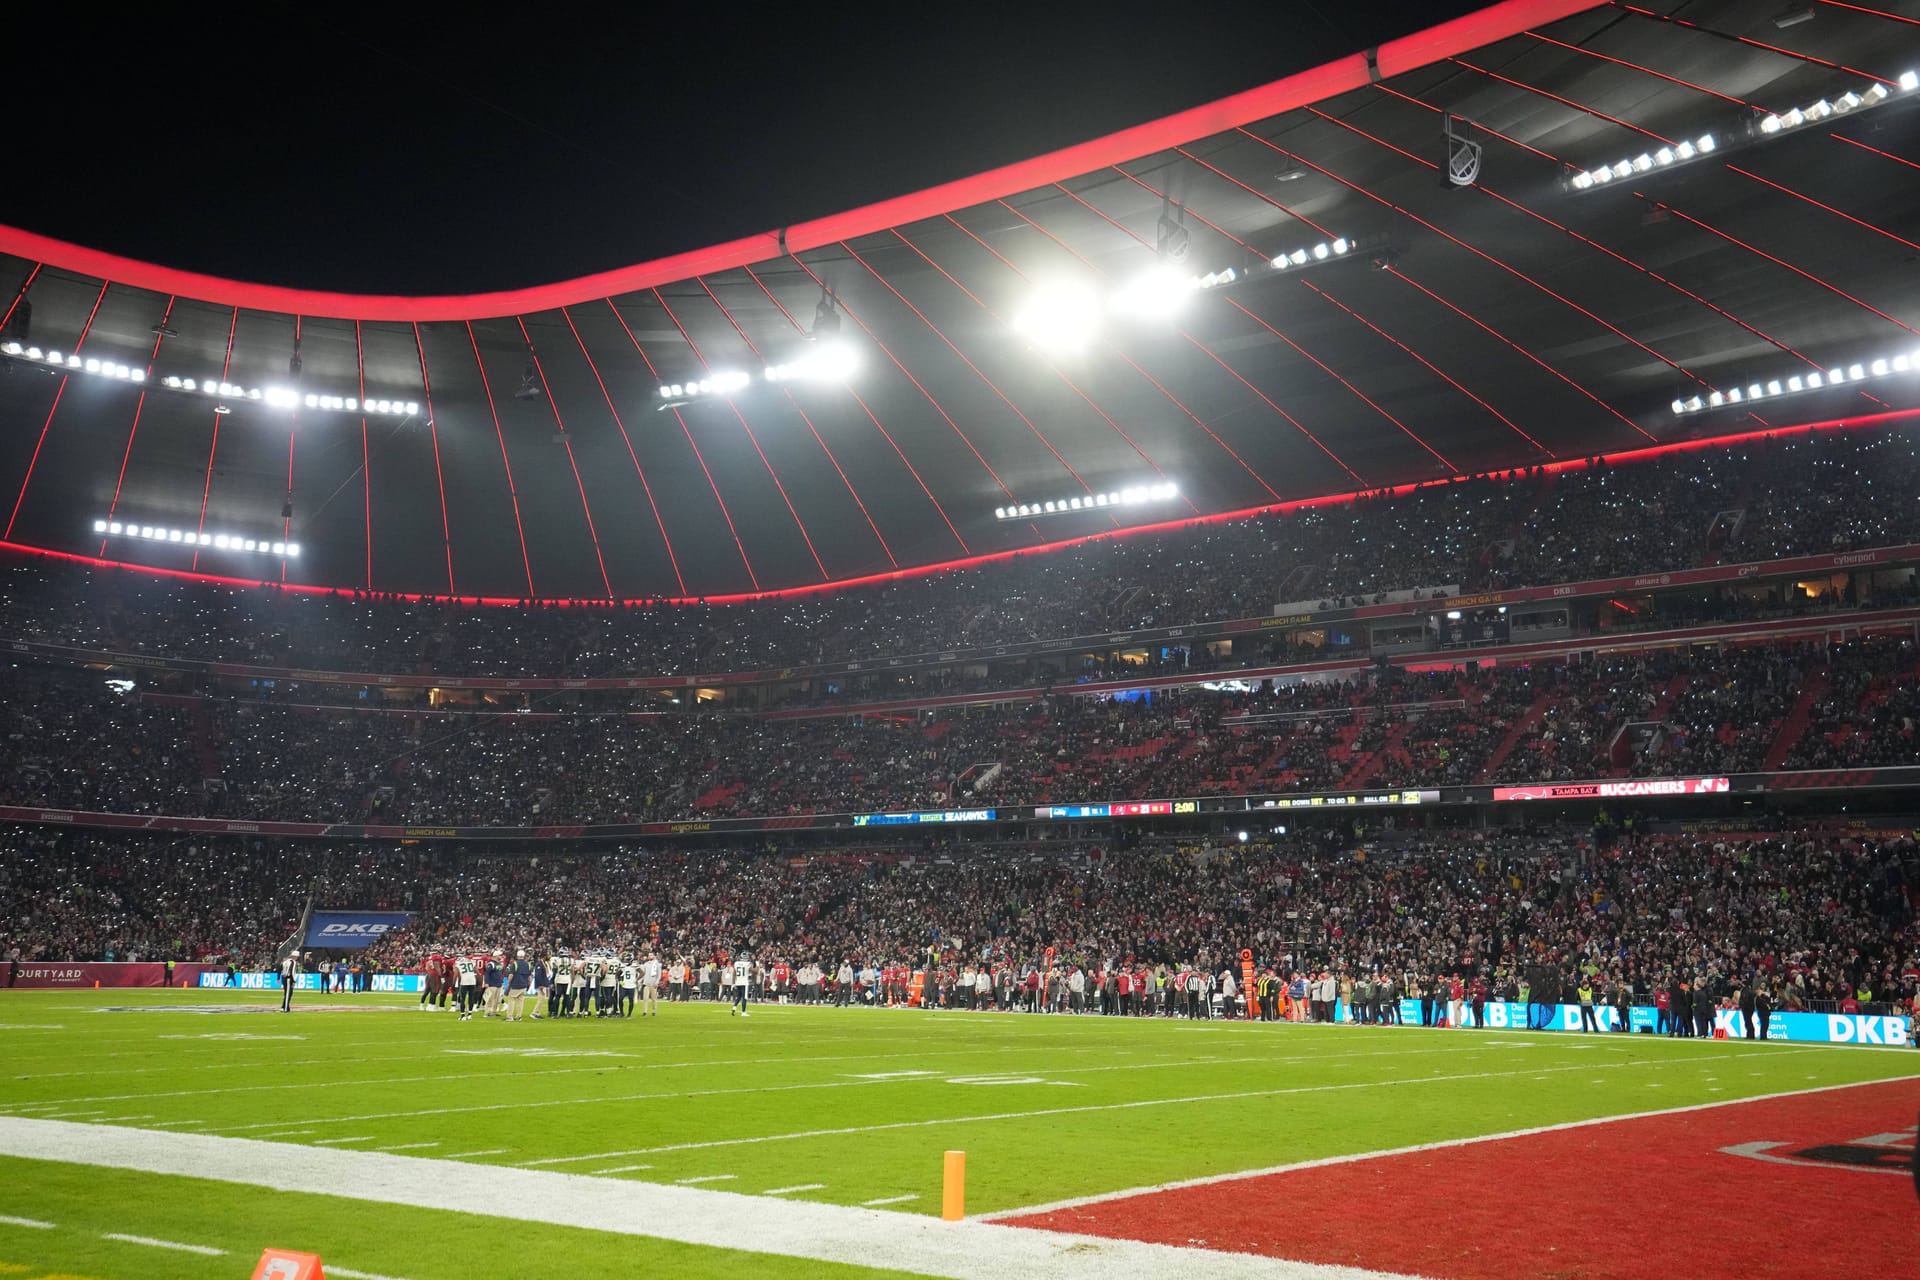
x: 629, y: 976
x: 742, y: 977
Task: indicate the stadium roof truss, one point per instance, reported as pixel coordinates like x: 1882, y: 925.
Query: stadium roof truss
x: 1682, y: 214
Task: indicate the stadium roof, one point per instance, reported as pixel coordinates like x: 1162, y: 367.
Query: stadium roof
x: 1516, y: 321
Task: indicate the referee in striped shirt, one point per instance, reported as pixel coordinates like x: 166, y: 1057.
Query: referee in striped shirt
x: 289, y: 973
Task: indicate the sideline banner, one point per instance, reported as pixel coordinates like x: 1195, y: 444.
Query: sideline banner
x: 1804, y: 1028
x: 351, y: 930
x: 263, y: 981
x: 76, y: 973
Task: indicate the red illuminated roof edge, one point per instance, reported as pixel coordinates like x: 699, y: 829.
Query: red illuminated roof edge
x: 1473, y: 31
x: 1165, y: 526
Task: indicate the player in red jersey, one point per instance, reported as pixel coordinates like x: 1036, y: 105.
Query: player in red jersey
x: 782, y: 977
x: 430, y: 981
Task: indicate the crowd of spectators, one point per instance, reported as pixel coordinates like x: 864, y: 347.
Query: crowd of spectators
x: 1824, y: 492
x: 74, y: 741
x: 1820, y: 918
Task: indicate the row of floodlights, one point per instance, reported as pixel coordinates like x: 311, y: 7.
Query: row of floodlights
x: 1840, y: 375
x: 74, y: 363
x: 1088, y: 502
x: 287, y: 398
x: 1645, y: 162
x: 822, y: 362
x: 220, y: 389
x: 194, y: 538
x: 1872, y: 96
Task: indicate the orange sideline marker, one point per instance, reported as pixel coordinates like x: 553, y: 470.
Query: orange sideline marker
x: 283, y: 1264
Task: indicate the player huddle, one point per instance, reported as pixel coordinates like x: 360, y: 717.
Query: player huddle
x: 594, y: 984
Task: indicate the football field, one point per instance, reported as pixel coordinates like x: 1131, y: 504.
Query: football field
x: 163, y: 1134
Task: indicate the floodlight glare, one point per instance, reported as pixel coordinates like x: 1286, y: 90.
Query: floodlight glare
x: 1155, y: 294
x: 1059, y: 317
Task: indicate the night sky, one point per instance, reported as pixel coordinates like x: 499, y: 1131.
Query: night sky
x: 422, y: 152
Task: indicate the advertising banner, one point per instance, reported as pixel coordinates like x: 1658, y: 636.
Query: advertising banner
x: 351, y: 930
x: 1804, y: 1028
x: 75, y: 973
x: 252, y: 981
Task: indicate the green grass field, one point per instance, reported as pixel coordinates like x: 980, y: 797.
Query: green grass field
x: 842, y: 1107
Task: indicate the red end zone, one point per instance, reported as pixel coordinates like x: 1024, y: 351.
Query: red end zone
x: 1813, y: 1185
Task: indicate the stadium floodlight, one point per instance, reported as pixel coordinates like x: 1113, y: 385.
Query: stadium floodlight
x: 833, y: 360
x: 1666, y: 157
x: 1889, y: 366
x: 1061, y: 316
x: 111, y: 370
x: 1129, y: 496
x: 1158, y: 293
x: 723, y: 383
x: 1325, y: 251
x: 1774, y: 123
x: 195, y: 538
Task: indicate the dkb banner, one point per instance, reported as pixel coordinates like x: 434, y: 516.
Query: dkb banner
x: 351, y: 930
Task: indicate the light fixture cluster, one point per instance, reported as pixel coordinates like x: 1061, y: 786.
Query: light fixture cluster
x: 1795, y: 384
x: 194, y: 538
x: 277, y: 397
x: 1325, y: 251
x: 1663, y: 157
x: 724, y: 383
x: 833, y: 361
x: 1129, y: 497
x: 826, y: 361
x: 1065, y: 316
x: 287, y: 398
x: 74, y: 363
x: 1872, y: 96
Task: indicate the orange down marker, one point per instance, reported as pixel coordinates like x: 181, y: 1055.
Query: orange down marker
x: 282, y: 1264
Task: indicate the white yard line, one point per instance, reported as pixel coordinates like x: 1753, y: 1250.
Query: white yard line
x: 805, y: 1186
x: 1135, y: 1105
x: 1355, y: 1158
x: 803, y: 1229
x: 622, y: 1168
x: 707, y: 1177
x: 328, y: 1142
x: 348, y: 1273
x: 35, y: 1223
x: 508, y: 1069
x: 409, y: 1146
x: 468, y: 1155
x: 656, y: 1095
x: 204, y: 1250
x: 887, y: 1200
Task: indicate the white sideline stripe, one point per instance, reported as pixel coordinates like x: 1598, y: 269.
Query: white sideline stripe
x: 348, y: 1273
x: 690, y: 1215
x: 805, y: 1186
x: 464, y: 1155
x: 889, y: 1200
x: 408, y: 1146
x: 328, y: 1142
x: 204, y: 1250
x: 1442, y: 1145
x: 35, y: 1223
x: 707, y: 1177
x: 622, y: 1168
x: 1126, y: 1106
